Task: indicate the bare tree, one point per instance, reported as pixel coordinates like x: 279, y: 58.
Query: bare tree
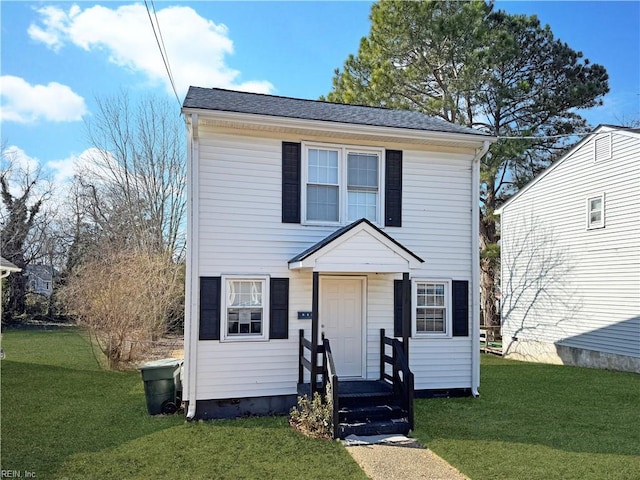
x: 124, y: 278
x: 25, y: 220
x: 134, y: 184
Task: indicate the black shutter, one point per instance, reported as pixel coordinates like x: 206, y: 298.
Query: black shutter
x: 398, y: 308
x: 279, y: 308
x: 393, y: 189
x: 210, y: 308
x: 291, y: 165
x: 460, y: 300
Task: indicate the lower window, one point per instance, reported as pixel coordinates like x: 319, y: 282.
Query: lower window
x: 245, y: 314
x: 431, y: 314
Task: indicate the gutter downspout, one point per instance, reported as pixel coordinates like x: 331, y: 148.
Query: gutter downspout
x: 192, y: 272
x: 475, y: 271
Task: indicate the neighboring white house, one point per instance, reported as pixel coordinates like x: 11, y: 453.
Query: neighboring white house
x: 337, y: 220
x: 39, y: 279
x: 571, y: 258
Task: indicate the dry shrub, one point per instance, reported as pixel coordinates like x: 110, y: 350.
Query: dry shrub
x: 313, y: 417
x: 124, y: 300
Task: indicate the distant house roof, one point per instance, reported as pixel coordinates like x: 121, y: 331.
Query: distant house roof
x: 270, y: 105
x: 602, y: 128
x: 43, y: 272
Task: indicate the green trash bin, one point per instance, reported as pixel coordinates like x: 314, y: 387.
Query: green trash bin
x: 160, y: 380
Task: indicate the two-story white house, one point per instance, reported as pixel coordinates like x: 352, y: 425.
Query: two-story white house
x: 312, y: 227
x: 571, y: 258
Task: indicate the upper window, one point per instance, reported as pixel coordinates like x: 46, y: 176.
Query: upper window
x: 341, y: 184
x: 595, y: 212
x: 245, y: 314
x: 432, y: 314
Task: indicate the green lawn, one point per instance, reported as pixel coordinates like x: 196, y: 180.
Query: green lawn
x: 64, y: 417
x: 536, y: 421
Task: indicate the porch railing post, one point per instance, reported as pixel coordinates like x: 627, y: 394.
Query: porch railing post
x: 382, y: 349
x: 314, y: 331
x: 406, y: 313
x: 300, y: 357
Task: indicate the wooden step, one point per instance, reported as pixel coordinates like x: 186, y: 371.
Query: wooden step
x: 370, y: 413
x: 380, y: 427
x: 365, y: 393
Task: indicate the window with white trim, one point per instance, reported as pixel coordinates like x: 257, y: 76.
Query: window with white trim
x: 431, y: 312
x: 595, y: 212
x: 245, y: 314
x: 341, y: 184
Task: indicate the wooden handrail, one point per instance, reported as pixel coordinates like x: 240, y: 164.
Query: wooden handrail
x: 402, y: 377
x: 330, y: 377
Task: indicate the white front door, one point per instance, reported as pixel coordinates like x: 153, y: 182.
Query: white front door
x: 341, y: 319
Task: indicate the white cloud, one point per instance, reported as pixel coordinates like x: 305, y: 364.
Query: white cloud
x: 18, y: 160
x: 196, y: 47
x: 64, y: 170
x: 26, y: 103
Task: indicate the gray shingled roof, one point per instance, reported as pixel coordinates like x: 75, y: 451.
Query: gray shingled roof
x: 259, y: 104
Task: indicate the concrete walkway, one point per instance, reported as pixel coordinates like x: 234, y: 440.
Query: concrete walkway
x: 399, y: 458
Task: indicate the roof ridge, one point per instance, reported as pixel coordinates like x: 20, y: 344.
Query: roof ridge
x: 389, y: 109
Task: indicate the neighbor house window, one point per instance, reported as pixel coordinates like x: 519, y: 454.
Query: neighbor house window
x: 245, y: 313
x: 595, y: 212
x: 342, y: 184
x: 432, y: 316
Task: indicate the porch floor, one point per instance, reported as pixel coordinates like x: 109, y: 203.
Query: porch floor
x: 355, y: 388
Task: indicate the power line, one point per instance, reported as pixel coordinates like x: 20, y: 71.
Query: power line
x: 161, y: 47
x: 545, y: 137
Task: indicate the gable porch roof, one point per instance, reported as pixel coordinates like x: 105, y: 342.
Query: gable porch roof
x: 357, y: 247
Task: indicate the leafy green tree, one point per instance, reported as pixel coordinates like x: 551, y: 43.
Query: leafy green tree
x: 471, y: 65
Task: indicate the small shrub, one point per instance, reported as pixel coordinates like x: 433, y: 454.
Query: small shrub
x: 313, y: 418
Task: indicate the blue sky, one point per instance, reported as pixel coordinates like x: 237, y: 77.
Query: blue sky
x: 56, y: 57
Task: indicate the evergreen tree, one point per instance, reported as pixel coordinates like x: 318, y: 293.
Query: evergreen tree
x: 504, y: 74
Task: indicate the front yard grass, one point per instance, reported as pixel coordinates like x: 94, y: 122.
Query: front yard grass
x: 65, y: 417
x: 535, y: 421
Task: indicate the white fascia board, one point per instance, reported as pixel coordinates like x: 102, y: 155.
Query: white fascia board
x: 469, y: 139
x: 310, y: 261
x: 359, y: 268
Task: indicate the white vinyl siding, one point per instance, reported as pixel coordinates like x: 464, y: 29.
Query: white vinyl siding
x: 241, y: 232
x: 565, y: 284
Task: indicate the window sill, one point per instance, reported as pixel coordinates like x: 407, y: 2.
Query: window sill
x: 427, y: 336
x: 243, y: 338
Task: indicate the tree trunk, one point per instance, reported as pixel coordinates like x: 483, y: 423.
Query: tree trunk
x: 489, y: 263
